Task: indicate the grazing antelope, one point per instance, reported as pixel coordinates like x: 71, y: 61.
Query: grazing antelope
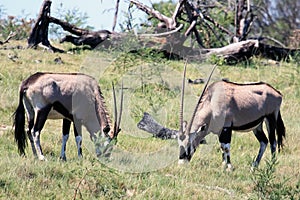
x: 226, y: 106
x: 72, y: 97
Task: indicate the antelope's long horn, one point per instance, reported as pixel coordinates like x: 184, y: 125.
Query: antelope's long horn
x: 188, y: 129
x: 121, y: 110
x: 115, y: 110
x: 117, y: 118
x: 182, y: 99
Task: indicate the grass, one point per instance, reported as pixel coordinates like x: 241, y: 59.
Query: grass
x: 144, y: 167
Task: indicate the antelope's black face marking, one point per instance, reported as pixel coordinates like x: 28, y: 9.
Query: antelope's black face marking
x: 182, y: 153
x: 182, y: 137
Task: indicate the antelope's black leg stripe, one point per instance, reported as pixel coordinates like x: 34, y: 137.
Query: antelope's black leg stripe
x: 225, y: 136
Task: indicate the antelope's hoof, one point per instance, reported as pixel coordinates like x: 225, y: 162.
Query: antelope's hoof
x: 229, y: 168
x: 42, y: 158
x: 63, y: 158
x: 182, y: 161
x: 253, y: 167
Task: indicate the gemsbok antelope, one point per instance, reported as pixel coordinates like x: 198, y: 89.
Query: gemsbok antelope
x: 225, y: 106
x: 73, y: 97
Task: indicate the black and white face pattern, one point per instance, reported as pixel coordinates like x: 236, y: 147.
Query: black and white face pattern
x: 188, y: 143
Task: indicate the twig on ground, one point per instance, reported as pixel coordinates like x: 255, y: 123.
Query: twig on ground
x: 77, y: 188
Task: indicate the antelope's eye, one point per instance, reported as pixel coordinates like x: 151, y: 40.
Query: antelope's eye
x: 202, y: 128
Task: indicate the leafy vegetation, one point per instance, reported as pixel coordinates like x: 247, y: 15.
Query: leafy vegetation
x: 20, y: 25
x: 268, y: 187
x: 148, y: 166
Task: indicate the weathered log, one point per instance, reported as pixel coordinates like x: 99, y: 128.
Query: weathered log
x: 150, y: 125
x: 276, y: 53
x: 172, y: 46
x: 235, y: 52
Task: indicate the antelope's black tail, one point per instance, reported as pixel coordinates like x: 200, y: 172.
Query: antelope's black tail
x: 280, y: 129
x: 19, y: 124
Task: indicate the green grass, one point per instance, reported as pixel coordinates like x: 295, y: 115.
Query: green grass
x: 143, y: 167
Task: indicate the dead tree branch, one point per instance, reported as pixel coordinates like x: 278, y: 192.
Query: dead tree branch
x: 243, y: 22
x: 170, y: 23
x: 83, y: 36
x: 162, y: 34
x: 11, y: 35
x: 68, y: 27
x: 116, y: 15
x: 39, y: 32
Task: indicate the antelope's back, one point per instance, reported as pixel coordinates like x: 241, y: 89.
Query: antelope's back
x: 245, y: 103
x: 44, y: 88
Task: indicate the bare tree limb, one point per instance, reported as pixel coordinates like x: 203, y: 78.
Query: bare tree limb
x: 85, y: 37
x: 169, y: 22
x: 11, y: 35
x: 177, y: 9
x: 189, y: 9
x: 243, y: 22
x: 69, y: 27
x: 162, y: 34
x: 216, y: 24
x: 116, y: 15
x: 275, y: 41
x: 192, y: 26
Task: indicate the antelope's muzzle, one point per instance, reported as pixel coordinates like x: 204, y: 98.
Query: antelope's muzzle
x: 184, y: 154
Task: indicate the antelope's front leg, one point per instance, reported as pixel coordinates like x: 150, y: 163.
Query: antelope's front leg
x: 65, y: 137
x: 225, y: 139
x: 77, y: 126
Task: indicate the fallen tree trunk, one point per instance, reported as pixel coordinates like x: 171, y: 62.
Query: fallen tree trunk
x: 173, y: 47
x: 150, y: 125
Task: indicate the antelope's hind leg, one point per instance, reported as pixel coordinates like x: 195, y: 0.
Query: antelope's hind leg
x: 30, y: 118
x: 41, y: 118
x: 263, y: 140
x: 225, y: 139
x: 271, y: 126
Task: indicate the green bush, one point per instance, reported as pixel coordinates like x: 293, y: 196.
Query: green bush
x: 21, y: 26
x: 267, y: 185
